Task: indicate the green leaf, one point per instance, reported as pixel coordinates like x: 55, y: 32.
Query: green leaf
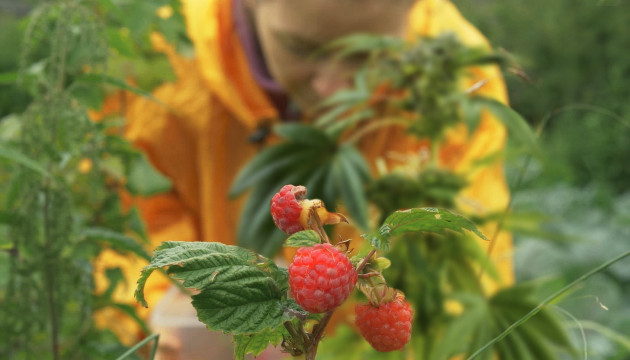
x: 8, y: 78
x: 352, y: 177
x: 303, y: 238
x: 237, y: 295
x: 460, y: 329
x: 145, y: 180
x: 362, y: 43
x: 266, y: 164
x: 420, y: 220
x: 18, y: 157
x: 337, y: 128
x: 121, y: 84
x: 118, y: 241
x: 351, y: 96
x: 9, y: 217
x: 303, y: 134
x: 515, y: 123
x: 255, y: 344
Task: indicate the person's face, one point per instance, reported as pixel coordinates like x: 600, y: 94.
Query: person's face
x: 291, y: 31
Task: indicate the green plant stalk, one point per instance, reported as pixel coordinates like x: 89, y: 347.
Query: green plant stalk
x: 50, y: 280
x: 135, y: 348
x: 546, y: 302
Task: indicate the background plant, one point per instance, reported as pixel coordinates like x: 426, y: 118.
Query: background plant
x: 62, y: 175
x: 573, y: 213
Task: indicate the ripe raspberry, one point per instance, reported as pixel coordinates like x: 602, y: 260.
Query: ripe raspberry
x: 321, y: 278
x: 286, y: 210
x: 386, y: 327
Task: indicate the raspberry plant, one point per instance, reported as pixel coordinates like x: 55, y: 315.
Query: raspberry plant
x: 246, y: 294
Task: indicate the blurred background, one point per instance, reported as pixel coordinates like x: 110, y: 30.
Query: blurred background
x: 570, y: 214
x: 576, y: 89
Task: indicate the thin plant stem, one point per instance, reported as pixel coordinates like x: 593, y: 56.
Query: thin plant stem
x: 546, y: 302
x: 316, y: 336
x: 50, y: 279
x: 365, y: 260
x: 139, y: 345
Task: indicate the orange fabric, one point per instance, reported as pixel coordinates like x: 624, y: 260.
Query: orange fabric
x: 197, y: 135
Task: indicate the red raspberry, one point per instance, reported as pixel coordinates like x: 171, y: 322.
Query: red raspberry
x: 386, y: 327
x: 321, y: 277
x: 285, y: 208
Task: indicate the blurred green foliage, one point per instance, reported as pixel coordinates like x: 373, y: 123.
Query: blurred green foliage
x: 578, y: 63
x: 575, y: 54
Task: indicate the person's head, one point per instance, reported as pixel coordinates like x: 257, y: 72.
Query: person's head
x: 290, y: 31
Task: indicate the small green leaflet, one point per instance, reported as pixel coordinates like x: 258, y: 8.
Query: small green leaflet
x: 513, y: 121
x: 239, y: 293
x: 303, y: 238
x: 257, y: 343
x: 419, y: 220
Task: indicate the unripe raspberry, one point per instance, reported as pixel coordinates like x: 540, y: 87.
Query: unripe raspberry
x: 321, y: 278
x: 386, y: 327
x: 292, y: 212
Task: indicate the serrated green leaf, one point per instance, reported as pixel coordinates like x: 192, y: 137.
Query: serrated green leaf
x: 513, y: 121
x: 118, y: 241
x: 420, y: 220
x: 249, y: 302
x: 303, y: 238
x: 255, y: 344
x: 236, y: 296
x: 18, y: 157
x: 177, y: 253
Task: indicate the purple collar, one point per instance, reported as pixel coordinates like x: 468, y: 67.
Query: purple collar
x: 254, y: 54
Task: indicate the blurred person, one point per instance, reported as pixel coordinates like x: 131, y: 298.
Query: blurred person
x: 253, y: 67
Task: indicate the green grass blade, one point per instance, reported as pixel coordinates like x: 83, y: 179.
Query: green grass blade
x: 546, y: 302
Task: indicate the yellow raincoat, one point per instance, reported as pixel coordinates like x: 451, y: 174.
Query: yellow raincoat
x: 200, y: 140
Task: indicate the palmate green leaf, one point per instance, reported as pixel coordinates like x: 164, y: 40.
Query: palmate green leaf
x: 309, y: 157
x: 303, y: 134
x: 238, y: 289
x: 542, y: 337
x: 352, y: 175
x: 462, y: 327
x: 513, y: 121
x: 420, y: 220
x: 255, y: 344
x: 303, y: 238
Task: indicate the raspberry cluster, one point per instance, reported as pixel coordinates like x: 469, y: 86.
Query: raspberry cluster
x: 321, y: 277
